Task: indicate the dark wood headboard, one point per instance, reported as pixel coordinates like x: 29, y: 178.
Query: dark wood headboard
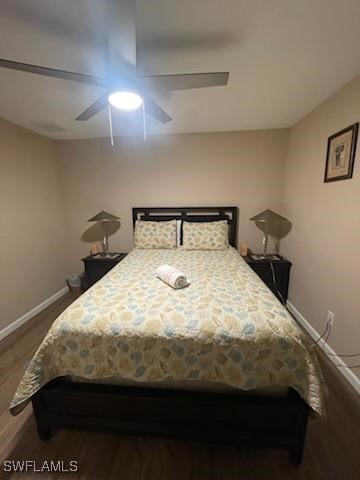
x: 192, y: 214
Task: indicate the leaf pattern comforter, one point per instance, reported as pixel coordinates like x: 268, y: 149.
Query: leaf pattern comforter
x: 225, y: 327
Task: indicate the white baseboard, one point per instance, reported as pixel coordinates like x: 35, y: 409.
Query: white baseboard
x: 34, y: 311
x: 346, y: 372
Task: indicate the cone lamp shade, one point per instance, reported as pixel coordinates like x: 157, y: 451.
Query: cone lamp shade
x: 273, y: 224
x: 104, y: 218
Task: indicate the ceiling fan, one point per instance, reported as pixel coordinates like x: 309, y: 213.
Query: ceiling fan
x: 126, y: 87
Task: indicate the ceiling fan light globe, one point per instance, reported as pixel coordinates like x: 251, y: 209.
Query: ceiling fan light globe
x: 125, y: 100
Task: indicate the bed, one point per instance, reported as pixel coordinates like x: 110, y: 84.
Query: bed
x: 220, y: 360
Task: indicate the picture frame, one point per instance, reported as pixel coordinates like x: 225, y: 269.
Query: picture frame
x: 340, y: 154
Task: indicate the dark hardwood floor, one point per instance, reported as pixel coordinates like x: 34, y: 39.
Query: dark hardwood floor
x: 332, y: 449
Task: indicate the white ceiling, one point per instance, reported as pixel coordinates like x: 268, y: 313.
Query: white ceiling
x: 284, y: 57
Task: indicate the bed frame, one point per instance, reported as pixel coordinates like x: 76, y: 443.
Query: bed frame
x: 266, y: 421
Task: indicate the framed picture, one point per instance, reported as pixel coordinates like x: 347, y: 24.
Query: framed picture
x: 341, y: 154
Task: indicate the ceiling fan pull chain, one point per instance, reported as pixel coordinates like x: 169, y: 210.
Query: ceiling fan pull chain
x: 111, y: 126
x: 144, y: 121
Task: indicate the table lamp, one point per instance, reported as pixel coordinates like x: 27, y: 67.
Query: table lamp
x: 104, y: 218
x: 273, y: 224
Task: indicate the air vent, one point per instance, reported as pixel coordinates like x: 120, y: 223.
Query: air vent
x: 50, y: 127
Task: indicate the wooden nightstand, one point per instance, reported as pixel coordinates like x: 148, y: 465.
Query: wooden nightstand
x: 281, y: 271
x: 97, y: 265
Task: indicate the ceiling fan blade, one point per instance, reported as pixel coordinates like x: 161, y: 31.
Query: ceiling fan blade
x: 155, y: 111
x: 52, y: 72
x: 95, y: 108
x: 184, y: 81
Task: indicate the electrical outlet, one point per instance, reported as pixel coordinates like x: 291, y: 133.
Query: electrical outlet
x: 330, y: 318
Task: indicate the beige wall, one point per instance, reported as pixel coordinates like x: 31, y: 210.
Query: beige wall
x: 324, y: 242
x: 241, y: 168
x: 32, y: 266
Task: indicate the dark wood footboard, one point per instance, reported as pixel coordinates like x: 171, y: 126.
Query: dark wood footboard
x: 268, y: 421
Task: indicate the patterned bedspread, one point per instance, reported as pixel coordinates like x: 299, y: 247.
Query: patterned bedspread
x: 225, y: 327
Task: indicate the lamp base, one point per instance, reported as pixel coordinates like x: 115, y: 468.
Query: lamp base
x: 268, y: 256
x: 108, y: 255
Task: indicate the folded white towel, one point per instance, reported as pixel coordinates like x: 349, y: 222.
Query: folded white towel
x: 172, y: 277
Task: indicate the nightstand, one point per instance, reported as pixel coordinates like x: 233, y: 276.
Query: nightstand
x: 96, y: 266
x: 281, y: 271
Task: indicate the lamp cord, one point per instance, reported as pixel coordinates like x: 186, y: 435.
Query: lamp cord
x: 275, y: 282
x: 326, y: 333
